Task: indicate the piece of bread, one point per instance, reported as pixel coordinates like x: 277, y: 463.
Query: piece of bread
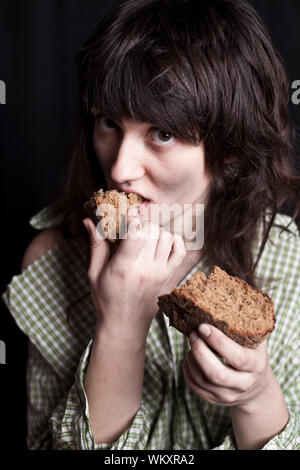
x: 110, y: 216
x: 226, y: 302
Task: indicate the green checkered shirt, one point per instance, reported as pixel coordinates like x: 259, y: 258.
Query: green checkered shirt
x: 42, y: 301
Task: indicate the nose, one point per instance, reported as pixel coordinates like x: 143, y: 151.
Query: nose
x: 128, y: 164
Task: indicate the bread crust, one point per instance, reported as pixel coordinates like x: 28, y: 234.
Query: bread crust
x: 186, y: 311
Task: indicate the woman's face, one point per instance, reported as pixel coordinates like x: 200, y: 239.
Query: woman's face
x: 135, y: 156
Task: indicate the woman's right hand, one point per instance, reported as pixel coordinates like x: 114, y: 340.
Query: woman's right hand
x: 125, y: 288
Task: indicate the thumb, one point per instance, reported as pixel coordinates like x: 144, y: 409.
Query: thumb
x: 99, y: 250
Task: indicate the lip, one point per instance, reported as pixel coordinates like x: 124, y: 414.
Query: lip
x: 146, y: 203
x: 134, y: 192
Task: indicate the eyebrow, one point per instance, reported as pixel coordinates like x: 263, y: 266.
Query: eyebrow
x: 98, y: 111
x: 117, y: 121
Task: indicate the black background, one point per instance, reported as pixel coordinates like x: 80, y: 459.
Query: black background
x: 38, y: 42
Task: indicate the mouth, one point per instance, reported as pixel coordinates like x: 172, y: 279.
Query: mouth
x: 144, y: 199
x: 145, y: 202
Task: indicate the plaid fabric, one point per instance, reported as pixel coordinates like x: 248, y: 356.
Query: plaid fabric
x: 42, y: 301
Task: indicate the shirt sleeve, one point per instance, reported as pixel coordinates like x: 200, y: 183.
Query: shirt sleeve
x: 288, y: 439
x: 58, y: 419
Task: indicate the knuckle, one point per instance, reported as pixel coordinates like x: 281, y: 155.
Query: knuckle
x: 139, y: 269
x: 141, y: 279
x: 197, y: 348
x: 260, y: 366
x: 241, y: 361
x: 218, y: 378
x: 228, y: 398
x: 119, y: 271
x: 210, y: 398
x: 245, y: 386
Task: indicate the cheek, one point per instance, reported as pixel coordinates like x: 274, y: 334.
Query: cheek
x: 182, y: 175
x: 190, y: 182
x: 96, y: 145
x: 177, y: 185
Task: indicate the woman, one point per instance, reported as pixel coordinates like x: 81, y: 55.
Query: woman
x: 181, y: 102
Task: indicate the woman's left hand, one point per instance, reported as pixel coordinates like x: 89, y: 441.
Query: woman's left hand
x: 235, y: 385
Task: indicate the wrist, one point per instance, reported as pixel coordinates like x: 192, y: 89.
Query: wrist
x: 127, y: 339
x: 269, y: 392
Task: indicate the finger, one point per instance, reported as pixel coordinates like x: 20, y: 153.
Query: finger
x: 221, y: 396
x: 198, y: 376
x: 144, y: 212
x: 201, y: 380
x: 134, y: 237
x: 178, y: 252
x: 143, y: 235
x: 203, y: 393
x: 151, y: 233
x: 214, y: 370
x: 99, y: 250
x: 237, y: 356
x: 164, y: 246
x: 134, y: 225
x: 163, y: 239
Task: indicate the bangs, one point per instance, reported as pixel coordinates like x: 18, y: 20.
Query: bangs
x: 140, y: 72
x: 144, y: 88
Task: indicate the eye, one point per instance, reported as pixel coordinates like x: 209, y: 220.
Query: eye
x: 105, y: 122
x: 163, y: 137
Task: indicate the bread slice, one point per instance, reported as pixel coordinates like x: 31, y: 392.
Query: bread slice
x: 110, y: 219
x: 226, y: 302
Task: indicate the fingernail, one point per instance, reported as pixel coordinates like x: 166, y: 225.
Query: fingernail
x: 193, y: 337
x: 204, y: 330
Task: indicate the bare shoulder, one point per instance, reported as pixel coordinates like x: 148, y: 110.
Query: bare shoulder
x: 41, y: 243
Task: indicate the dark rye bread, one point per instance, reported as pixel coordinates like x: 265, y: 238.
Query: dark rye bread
x: 226, y: 302
x: 105, y: 216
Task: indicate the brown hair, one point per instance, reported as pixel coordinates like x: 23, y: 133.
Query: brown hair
x: 200, y: 70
